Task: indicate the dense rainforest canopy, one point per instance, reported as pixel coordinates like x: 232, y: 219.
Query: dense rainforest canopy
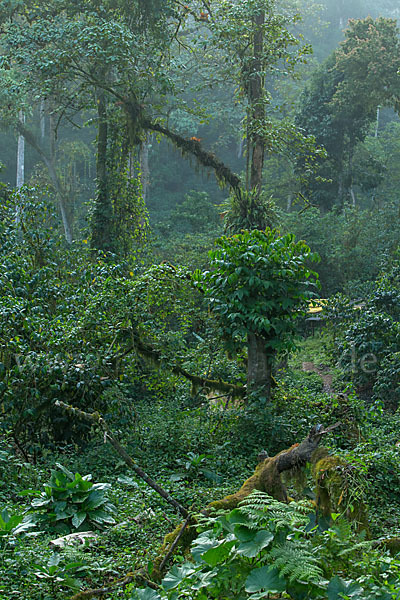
x: 199, y: 299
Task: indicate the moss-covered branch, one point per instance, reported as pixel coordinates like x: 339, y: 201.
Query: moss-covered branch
x: 147, y: 351
x: 193, y: 147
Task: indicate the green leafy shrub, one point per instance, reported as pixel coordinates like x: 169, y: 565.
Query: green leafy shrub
x: 57, y: 574
x: 12, y: 525
x: 71, y: 502
x: 268, y: 547
x: 194, y: 465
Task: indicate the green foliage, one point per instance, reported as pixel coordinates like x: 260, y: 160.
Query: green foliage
x: 57, y: 574
x: 369, y: 60
x: 72, y: 502
x: 367, y: 337
x: 268, y: 547
x: 259, y: 283
x: 352, y: 244
x: 340, y: 103
x: 196, y: 214
x: 11, y: 525
x: 193, y: 466
x: 250, y: 211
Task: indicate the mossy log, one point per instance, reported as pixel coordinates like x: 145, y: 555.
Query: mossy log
x: 392, y: 544
x: 337, y: 489
x: 266, y: 478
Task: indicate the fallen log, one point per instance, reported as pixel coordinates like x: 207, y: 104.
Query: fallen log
x: 266, y: 478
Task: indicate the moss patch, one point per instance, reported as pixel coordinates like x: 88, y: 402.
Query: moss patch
x: 336, y: 490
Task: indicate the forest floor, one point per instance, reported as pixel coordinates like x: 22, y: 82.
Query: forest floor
x: 197, y: 461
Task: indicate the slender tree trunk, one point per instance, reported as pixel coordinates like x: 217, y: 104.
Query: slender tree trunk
x: 49, y: 163
x: 240, y: 148
x: 144, y: 166
x: 351, y: 188
x: 64, y: 201
x: 289, y: 202
x: 258, y: 363
x: 353, y: 196
x: 340, y: 188
x: 378, y: 114
x: 102, y: 214
x: 20, y: 179
x: 257, y: 107
x: 42, y: 116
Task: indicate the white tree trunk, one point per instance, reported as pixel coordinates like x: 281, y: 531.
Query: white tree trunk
x: 49, y: 162
x: 353, y: 196
x: 240, y: 148
x: 378, y: 115
x: 42, y: 115
x: 21, y: 155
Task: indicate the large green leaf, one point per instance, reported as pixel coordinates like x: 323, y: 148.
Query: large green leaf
x: 145, y: 594
x: 177, y: 575
x: 338, y: 588
x: 244, y: 533
x: 204, y: 542
x: 100, y: 516
x: 253, y: 547
x: 42, y: 501
x: 101, y: 486
x: 95, y: 499
x: 235, y: 517
x: 216, y: 555
x: 78, y: 519
x: 59, y: 506
x: 265, y: 579
x: 66, y: 472
x: 204, y: 579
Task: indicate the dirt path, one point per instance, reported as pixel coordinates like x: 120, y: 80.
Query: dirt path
x: 323, y: 372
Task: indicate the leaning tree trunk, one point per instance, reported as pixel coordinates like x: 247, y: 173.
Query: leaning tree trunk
x: 50, y: 164
x: 64, y: 201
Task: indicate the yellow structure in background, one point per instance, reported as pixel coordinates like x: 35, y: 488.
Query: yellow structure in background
x: 316, y: 306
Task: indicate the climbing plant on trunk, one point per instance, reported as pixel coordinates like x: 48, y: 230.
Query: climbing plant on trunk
x: 259, y: 284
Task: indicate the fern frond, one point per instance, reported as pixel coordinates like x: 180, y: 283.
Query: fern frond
x: 296, y: 560
x: 259, y: 506
x: 353, y: 549
x: 259, y: 500
x: 343, y: 529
